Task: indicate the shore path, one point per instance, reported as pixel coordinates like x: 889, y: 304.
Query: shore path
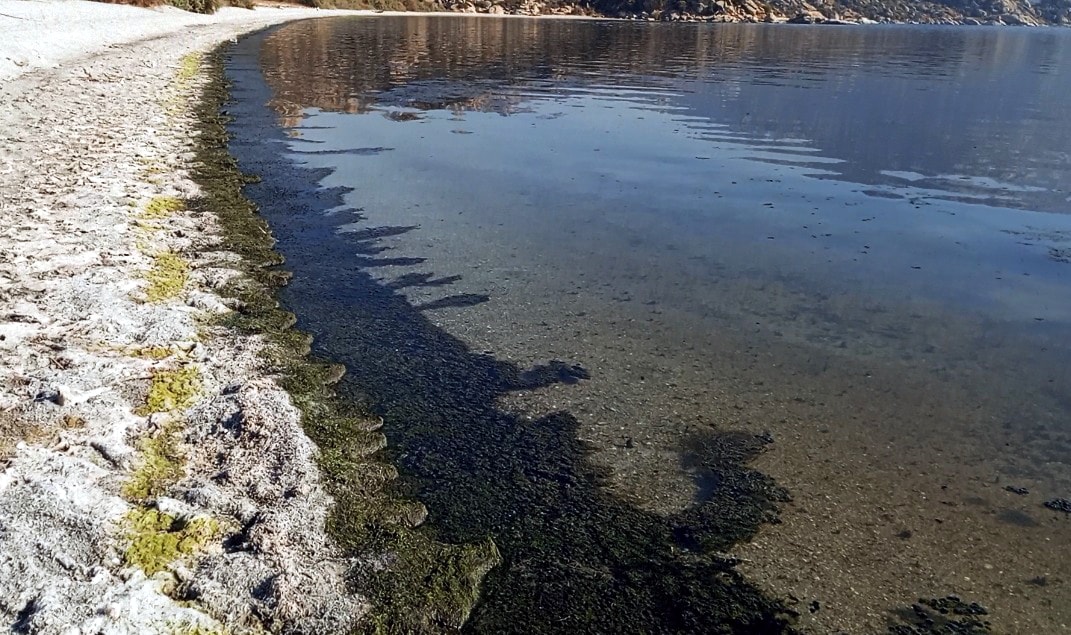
x: 109, y: 378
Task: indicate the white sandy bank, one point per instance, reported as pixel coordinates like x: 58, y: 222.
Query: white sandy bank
x: 47, y: 33
x: 95, y: 124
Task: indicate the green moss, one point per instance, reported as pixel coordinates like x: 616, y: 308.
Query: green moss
x: 167, y: 277
x: 157, y: 539
x: 190, y: 64
x: 197, y: 629
x: 431, y: 585
x: 172, y: 390
x: 152, y: 352
x: 160, y: 465
x: 162, y: 207
x: 435, y: 591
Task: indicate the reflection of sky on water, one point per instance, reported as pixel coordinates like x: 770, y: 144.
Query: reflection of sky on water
x: 906, y: 163
x: 756, y: 227
x: 661, y: 176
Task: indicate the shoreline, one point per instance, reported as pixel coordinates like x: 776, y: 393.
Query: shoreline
x: 171, y: 460
x: 929, y: 547
x: 150, y: 380
x: 155, y: 473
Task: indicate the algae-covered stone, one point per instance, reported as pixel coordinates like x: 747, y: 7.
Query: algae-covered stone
x: 434, y: 587
x: 364, y: 444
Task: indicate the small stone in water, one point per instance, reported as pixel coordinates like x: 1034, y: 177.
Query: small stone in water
x: 1059, y: 504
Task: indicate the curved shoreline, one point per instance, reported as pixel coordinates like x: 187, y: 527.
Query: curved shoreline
x: 138, y: 438
x: 116, y: 370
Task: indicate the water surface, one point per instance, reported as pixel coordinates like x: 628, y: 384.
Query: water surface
x: 584, y: 269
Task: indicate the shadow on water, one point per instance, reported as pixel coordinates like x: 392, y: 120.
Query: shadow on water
x: 575, y: 557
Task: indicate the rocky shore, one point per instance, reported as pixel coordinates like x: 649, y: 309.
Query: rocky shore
x: 833, y: 12
x: 138, y: 435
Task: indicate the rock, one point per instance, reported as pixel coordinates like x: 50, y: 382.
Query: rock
x: 1059, y: 504
x: 116, y: 454
x: 1014, y: 20
x: 808, y: 18
x: 51, y: 396
x: 207, y: 302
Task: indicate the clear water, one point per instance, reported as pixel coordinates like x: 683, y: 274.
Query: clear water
x: 855, y: 239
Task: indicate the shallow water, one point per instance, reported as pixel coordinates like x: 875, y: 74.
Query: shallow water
x: 854, y: 240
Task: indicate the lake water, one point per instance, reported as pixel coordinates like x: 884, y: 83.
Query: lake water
x: 588, y: 271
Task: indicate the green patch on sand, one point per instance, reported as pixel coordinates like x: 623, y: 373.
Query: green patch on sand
x: 157, y: 539
x: 160, y: 464
x: 162, y: 207
x: 172, y: 390
x: 167, y: 277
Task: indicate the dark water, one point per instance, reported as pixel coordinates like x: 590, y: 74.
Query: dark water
x: 583, y: 268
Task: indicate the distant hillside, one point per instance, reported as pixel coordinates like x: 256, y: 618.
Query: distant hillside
x: 995, y: 12
x: 1012, y: 12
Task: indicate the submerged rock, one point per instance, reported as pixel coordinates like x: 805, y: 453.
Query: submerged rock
x: 941, y: 616
x: 1059, y: 504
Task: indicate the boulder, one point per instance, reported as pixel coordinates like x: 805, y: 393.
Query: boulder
x: 812, y: 17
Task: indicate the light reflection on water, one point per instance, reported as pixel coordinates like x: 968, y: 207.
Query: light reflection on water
x: 679, y: 201
x: 867, y: 110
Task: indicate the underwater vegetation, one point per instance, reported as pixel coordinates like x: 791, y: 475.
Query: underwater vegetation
x: 574, y: 558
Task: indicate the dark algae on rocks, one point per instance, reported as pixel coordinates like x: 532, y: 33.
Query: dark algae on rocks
x: 416, y: 584
x: 497, y: 485
x: 1059, y: 505
x: 941, y: 616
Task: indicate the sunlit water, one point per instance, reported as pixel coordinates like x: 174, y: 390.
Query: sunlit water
x: 856, y: 240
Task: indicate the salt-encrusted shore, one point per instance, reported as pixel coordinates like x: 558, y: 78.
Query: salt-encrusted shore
x: 111, y: 375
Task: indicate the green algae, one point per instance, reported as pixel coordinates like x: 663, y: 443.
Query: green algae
x: 161, y: 460
x: 162, y: 207
x: 167, y: 276
x: 430, y: 586
x: 161, y: 463
x: 197, y: 629
x: 172, y: 390
x: 157, y: 539
x: 156, y: 353
x: 189, y: 67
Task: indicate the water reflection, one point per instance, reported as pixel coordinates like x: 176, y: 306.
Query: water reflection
x: 576, y: 557
x: 854, y: 239
x: 842, y: 95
